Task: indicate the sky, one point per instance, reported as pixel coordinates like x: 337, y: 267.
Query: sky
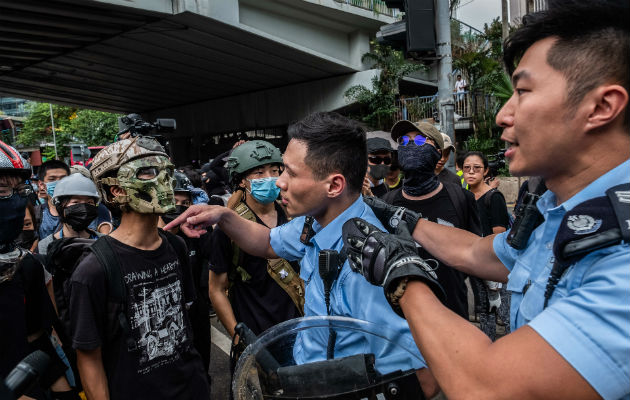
x: 478, y: 12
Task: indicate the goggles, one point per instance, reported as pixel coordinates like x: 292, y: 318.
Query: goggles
x: 472, y: 168
x: 419, y: 140
x: 23, y: 190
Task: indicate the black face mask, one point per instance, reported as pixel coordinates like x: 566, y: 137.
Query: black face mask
x: 168, y: 217
x: 12, y: 212
x: 418, y: 163
x: 379, y: 172
x: 79, y: 216
x: 26, y: 239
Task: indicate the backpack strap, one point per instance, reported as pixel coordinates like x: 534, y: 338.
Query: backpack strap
x: 279, y: 269
x: 458, y: 198
x: 108, y: 259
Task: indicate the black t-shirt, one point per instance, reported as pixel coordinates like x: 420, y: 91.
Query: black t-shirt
x: 441, y: 209
x: 259, y: 302
x: 492, y: 211
x: 158, y: 286
x: 25, y: 309
x: 380, y: 190
x: 199, y: 250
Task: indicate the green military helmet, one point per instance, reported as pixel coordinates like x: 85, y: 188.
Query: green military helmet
x: 251, y: 155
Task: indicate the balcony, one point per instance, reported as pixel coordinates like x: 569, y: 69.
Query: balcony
x: 378, y: 6
x: 467, y: 104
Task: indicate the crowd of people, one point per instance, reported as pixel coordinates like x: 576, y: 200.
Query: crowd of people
x: 114, y: 270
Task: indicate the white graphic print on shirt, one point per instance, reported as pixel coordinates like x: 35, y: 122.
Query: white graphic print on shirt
x: 155, y: 307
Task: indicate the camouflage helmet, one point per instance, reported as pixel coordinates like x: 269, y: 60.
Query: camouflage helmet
x: 251, y: 155
x: 124, y: 160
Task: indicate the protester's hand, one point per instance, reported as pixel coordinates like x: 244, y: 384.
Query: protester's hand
x: 390, y: 216
x: 366, y: 190
x: 196, y: 218
x: 387, y: 260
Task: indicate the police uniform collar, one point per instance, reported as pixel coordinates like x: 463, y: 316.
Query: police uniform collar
x: 327, y: 237
x: 596, y: 188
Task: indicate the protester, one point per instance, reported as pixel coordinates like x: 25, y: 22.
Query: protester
x: 28, y: 238
x: 76, y: 202
x: 103, y: 220
x: 379, y: 161
x: 199, y: 250
x: 491, y: 300
x: 244, y: 288
x: 27, y: 313
x: 569, y: 276
x: 419, y: 150
x: 135, y: 341
x: 445, y: 174
x: 325, y: 163
x: 49, y: 173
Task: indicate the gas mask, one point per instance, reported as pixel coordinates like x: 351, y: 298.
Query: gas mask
x: 149, y: 184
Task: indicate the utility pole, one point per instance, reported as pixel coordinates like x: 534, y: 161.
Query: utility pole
x: 504, y: 20
x: 52, y: 120
x: 445, y: 71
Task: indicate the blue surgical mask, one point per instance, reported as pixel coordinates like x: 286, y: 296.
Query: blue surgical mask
x: 265, y: 190
x: 50, y: 188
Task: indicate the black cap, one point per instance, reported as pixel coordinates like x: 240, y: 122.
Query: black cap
x: 378, y: 144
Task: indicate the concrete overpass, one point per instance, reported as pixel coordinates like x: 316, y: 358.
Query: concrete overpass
x: 217, y: 66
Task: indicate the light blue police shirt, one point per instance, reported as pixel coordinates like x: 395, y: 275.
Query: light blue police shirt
x: 587, y: 320
x: 351, y: 296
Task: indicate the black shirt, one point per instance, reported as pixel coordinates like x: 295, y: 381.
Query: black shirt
x: 492, y: 211
x: 259, y: 302
x: 441, y: 209
x: 158, y: 286
x: 25, y: 310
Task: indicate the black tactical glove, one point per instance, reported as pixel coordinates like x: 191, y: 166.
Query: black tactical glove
x: 387, y: 260
x: 390, y: 216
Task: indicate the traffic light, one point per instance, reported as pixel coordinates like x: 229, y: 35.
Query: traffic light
x: 415, y: 34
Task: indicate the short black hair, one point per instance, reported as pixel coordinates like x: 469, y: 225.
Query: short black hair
x: 592, y: 47
x: 479, y: 154
x: 334, y: 143
x: 51, y: 164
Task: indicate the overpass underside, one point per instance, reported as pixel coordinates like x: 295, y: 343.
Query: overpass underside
x: 216, y: 66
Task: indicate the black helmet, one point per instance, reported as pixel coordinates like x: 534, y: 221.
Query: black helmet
x: 182, y: 183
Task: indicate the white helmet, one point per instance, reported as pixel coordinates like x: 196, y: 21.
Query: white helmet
x: 75, y: 185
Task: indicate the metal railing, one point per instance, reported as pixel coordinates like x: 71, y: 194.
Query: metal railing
x: 466, y: 105
x: 378, y: 6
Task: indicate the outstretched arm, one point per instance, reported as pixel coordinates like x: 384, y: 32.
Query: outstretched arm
x: 251, y: 237
x: 465, y: 251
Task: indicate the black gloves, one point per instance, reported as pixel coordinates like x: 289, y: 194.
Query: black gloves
x: 390, y: 216
x: 387, y: 260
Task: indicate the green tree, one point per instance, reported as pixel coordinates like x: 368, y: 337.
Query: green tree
x: 378, y: 104
x: 71, y: 125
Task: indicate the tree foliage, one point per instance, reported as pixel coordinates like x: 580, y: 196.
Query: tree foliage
x: 72, y: 125
x: 378, y: 104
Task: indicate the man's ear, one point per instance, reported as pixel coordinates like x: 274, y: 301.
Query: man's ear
x: 336, y: 185
x: 607, y: 102
x: 117, y: 191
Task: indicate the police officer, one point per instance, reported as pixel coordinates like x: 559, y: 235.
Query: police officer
x: 570, y: 304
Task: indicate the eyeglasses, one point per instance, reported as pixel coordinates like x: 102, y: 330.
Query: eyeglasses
x: 378, y: 160
x: 419, y: 140
x: 472, y: 168
x: 23, y: 190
